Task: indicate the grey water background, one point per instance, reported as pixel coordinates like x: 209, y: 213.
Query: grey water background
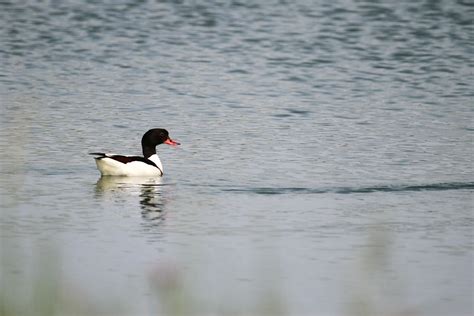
x: 325, y: 167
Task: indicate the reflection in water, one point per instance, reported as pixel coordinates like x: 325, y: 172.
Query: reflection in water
x: 149, y: 190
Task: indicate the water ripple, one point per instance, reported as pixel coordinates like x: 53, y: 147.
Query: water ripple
x: 352, y: 190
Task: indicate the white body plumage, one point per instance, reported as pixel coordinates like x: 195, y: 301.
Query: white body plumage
x: 112, y: 167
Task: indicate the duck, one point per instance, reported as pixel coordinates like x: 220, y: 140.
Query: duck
x: 136, y: 166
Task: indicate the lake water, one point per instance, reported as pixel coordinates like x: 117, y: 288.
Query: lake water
x: 326, y: 165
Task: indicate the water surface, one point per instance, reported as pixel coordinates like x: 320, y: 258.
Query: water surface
x: 325, y: 165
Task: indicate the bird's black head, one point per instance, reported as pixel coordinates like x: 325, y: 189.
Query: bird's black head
x: 153, y: 138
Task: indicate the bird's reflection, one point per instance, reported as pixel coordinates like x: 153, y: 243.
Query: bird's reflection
x: 149, y: 190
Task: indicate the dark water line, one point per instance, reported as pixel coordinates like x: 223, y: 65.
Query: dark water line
x: 351, y: 190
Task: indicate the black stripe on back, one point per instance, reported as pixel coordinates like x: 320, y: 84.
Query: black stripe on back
x: 127, y: 159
